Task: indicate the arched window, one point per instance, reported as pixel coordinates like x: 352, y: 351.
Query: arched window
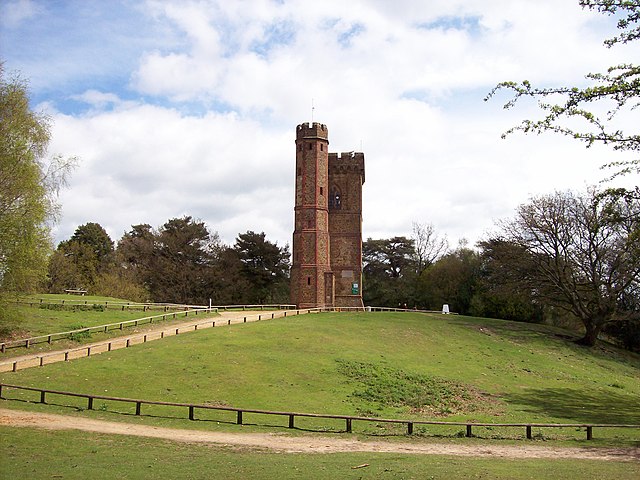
x: 335, y: 199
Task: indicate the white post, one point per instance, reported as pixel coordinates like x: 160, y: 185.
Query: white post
x: 445, y: 308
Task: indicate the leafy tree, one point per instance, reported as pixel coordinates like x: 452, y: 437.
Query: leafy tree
x: 497, y: 298
x: 135, y: 251
x: 452, y: 280
x: 179, y: 267
x: 615, y: 93
x: 79, y: 261
x: 72, y: 265
x: 95, y: 237
x: 28, y: 188
x: 579, y: 253
x: 265, y: 267
x: 229, y: 285
x: 389, y: 271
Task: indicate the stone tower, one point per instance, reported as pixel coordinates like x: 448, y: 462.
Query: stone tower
x: 327, y: 237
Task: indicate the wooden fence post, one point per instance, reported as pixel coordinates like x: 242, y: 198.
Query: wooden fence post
x: 291, y: 420
x: 191, y: 412
x: 42, y: 397
x: 239, y: 417
x: 589, y: 432
x: 348, y: 425
x: 138, y: 407
x: 469, y: 434
x: 409, y: 428
x: 89, y: 403
x: 529, y: 437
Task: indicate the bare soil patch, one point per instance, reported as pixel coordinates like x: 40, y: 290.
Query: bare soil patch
x: 308, y: 443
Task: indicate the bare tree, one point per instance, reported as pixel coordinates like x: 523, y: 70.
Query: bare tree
x: 428, y: 245
x: 580, y: 253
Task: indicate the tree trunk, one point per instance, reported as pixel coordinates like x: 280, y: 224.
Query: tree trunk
x: 592, y: 329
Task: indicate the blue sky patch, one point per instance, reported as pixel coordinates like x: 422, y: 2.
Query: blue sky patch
x: 469, y: 24
x: 345, y: 37
x: 277, y: 34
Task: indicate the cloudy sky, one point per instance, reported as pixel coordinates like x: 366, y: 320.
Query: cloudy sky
x: 190, y: 107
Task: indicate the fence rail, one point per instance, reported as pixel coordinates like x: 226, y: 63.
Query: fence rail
x: 144, y: 305
x: 12, y: 364
x: 166, y: 307
x: 348, y: 419
x: 185, y: 311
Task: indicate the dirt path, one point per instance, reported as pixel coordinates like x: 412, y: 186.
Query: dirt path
x: 157, y: 332
x: 308, y: 443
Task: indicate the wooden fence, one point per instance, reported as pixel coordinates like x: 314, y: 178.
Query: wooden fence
x: 126, y: 342
x: 185, y: 311
x: 190, y: 412
x: 178, y: 309
x: 144, y: 306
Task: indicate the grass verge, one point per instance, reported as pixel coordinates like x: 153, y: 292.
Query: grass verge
x: 45, y: 454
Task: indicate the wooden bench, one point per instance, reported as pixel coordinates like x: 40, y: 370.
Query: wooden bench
x: 75, y: 291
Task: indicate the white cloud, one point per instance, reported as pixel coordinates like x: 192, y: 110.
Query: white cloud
x: 14, y: 13
x: 197, y: 114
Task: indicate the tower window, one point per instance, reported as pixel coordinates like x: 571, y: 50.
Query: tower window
x: 311, y: 146
x: 321, y: 191
x: 308, y: 280
x: 335, y: 199
x: 321, y: 147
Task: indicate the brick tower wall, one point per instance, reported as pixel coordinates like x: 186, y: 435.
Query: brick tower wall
x: 346, y: 176
x: 312, y: 281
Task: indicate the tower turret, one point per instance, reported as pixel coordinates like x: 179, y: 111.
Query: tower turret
x: 311, y: 277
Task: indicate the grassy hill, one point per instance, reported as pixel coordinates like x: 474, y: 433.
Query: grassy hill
x: 392, y: 365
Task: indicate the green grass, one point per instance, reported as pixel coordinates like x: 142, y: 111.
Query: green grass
x: 44, y: 319
x: 485, y: 370
x: 41, y: 454
x: 59, y: 297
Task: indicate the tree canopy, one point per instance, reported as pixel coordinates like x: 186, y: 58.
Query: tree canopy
x: 80, y: 261
x: 580, y: 253
x: 28, y: 187
x: 265, y: 267
x: 591, y: 114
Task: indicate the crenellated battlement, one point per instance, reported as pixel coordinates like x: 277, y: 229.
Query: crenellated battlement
x: 312, y: 130
x: 347, y: 162
x: 347, y: 156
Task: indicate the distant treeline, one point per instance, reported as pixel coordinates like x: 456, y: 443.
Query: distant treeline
x: 180, y: 262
